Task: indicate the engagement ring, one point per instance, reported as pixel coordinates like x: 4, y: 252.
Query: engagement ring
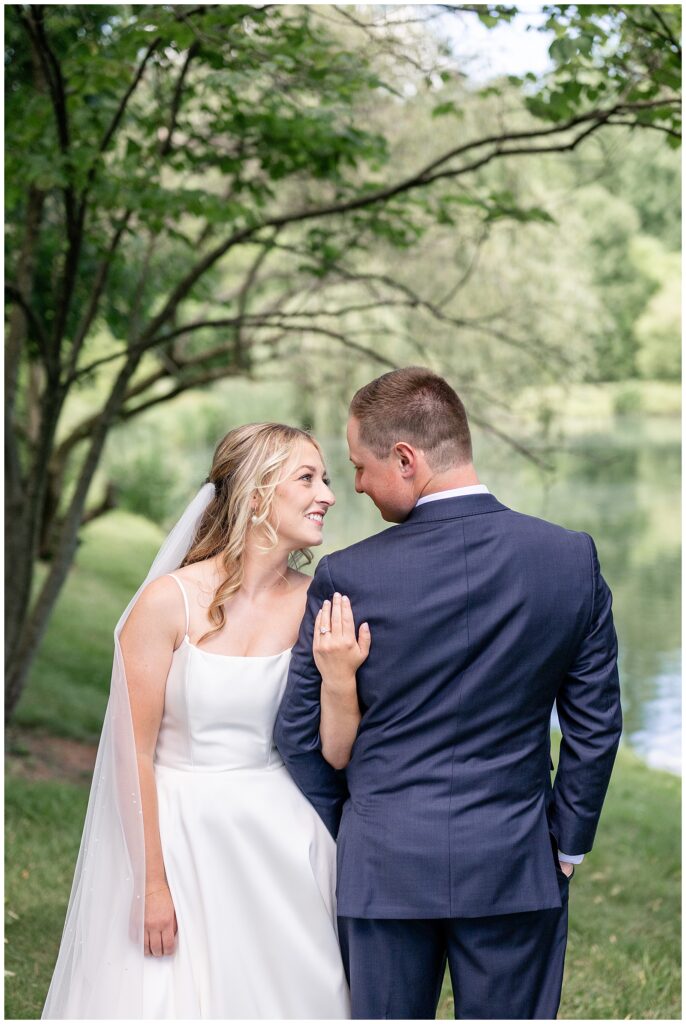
x: 324, y: 629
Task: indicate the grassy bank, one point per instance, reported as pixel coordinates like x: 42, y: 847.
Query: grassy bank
x: 624, y: 946
x: 43, y: 822
x: 67, y: 690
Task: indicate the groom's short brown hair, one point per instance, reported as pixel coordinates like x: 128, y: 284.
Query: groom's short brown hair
x: 417, y: 406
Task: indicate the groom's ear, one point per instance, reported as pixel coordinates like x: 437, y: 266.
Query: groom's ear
x: 406, y: 457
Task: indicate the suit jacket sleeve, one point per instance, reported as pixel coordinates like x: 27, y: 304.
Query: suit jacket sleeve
x: 296, y: 732
x: 590, y: 717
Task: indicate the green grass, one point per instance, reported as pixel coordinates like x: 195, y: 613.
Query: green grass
x: 43, y: 822
x: 624, y: 951
x: 624, y: 944
x: 625, y: 926
x: 67, y: 689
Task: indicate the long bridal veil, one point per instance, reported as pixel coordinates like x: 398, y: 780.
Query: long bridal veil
x: 99, y: 969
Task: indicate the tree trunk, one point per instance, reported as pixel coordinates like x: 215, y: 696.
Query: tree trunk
x: 28, y: 627
x: 18, y: 583
x: 25, y: 506
x: 49, y: 518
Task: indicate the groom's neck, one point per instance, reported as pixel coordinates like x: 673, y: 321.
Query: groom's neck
x: 459, y: 476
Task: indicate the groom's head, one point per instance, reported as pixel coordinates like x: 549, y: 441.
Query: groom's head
x: 408, y: 435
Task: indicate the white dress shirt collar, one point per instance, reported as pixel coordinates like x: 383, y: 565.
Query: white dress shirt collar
x: 456, y: 492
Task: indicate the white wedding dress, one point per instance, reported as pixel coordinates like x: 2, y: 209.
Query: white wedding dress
x: 250, y: 865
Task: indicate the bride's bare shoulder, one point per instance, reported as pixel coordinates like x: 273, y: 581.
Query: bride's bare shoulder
x: 160, y: 595
x: 200, y: 573
x: 158, y: 612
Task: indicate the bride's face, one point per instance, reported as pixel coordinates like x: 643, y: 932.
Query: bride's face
x: 302, y: 499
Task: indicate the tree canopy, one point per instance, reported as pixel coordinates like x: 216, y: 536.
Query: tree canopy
x: 191, y: 190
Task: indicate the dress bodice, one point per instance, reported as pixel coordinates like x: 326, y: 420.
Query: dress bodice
x: 219, y: 710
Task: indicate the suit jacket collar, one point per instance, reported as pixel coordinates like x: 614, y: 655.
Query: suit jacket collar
x: 454, y: 508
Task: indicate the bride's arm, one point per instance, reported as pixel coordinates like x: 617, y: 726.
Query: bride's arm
x: 338, y: 655
x: 147, y: 642
x: 339, y: 722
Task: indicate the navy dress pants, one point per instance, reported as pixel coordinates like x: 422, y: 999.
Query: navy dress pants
x: 506, y: 967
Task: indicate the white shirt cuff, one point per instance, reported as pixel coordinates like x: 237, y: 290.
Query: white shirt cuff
x: 569, y: 858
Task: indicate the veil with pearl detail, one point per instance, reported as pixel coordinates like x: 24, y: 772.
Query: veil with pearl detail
x: 100, y: 960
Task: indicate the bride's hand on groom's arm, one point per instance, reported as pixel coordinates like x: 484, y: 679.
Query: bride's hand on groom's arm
x: 338, y: 654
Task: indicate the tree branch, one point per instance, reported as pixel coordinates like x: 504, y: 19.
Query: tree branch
x: 210, y: 376
x: 669, y: 35
x: 34, y: 25
x: 267, y: 317
x: 14, y: 295
x: 415, y: 301
x: 85, y: 428
x: 597, y: 115
x: 386, y: 44
x: 421, y: 179
x: 566, y: 147
x: 469, y: 270
x: 96, y: 294
x: 244, y: 296
x: 646, y: 124
x: 218, y: 373
x: 108, y: 503
x: 666, y: 36
x: 165, y: 147
x: 123, y: 103
x: 527, y: 452
x: 133, y: 320
x: 34, y: 625
x: 387, y: 23
x: 337, y: 336
x: 19, y: 321
x: 32, y: 21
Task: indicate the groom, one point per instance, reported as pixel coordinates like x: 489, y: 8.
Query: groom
x: 452, y: 843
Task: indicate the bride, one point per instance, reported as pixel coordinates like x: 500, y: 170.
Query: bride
x: 205, y: 883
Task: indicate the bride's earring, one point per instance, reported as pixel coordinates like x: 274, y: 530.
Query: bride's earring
x: 254, y: 518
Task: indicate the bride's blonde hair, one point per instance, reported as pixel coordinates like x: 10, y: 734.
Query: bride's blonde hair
x: 248, y: 460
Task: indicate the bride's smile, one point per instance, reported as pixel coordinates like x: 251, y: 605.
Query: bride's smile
x: 301, y: 500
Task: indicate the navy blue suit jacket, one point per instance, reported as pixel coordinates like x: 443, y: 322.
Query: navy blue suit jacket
x: 481, y: 618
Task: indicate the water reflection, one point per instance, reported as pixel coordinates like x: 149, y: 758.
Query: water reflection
x: 659, y: 741
x: 623, y: 489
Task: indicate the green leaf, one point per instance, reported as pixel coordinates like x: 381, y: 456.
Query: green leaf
x: 585, y: 44
x: 446, y: 108
x: 490, y: 90
x: 563, y: 49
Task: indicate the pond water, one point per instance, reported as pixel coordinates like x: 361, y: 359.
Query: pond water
x: 622, y: 487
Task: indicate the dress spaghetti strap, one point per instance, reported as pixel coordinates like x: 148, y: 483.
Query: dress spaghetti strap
x: 185, y: 599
